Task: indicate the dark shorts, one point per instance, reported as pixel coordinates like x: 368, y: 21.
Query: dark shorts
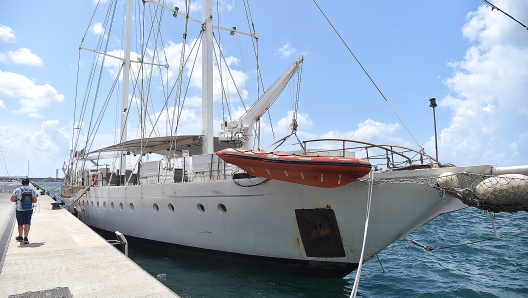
x: 24, y: 217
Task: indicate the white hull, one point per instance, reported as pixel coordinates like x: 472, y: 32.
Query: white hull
x: 261, y: 220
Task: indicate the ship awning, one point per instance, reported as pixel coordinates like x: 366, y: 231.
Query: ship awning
x: 160, y: 145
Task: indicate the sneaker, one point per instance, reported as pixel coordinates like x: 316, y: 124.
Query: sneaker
x: 18, y: 238
x: 26, y: 241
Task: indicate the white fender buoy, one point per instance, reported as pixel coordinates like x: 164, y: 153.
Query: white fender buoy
x: 447, y: 180
x: 504, y: 189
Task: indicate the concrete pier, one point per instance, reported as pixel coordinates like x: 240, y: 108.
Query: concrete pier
x: 64, y: 255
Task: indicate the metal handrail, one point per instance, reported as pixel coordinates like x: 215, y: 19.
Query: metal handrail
x: 386, y: 147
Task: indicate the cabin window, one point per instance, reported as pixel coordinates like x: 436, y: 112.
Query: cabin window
x: 200, y: 208
x: 222, y: 208
x: 171, y: 208
x: 155, y: 207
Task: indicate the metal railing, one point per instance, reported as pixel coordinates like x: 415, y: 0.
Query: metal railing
x: 7, y: 187
x: 391, y: 156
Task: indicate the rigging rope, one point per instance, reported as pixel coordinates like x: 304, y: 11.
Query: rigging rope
x: 180, y: 108
x: 360, y: 265
x: 228, y: 70
x: 90, y: 131
x: 495, y: 7
x: 95, y: 61
x: 74, y: 140
x: 365, y: 71
x: 178, y: 82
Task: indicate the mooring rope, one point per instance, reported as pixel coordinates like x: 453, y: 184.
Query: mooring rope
x: 360, y: 265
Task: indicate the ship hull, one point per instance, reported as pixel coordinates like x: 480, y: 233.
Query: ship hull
x: 323, y: 269
x: 285, y: 222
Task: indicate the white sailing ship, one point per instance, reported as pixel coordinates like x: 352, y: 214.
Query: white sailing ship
x: 190, y: 199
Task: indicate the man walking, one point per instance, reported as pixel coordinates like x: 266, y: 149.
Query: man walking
x: 24, y: 197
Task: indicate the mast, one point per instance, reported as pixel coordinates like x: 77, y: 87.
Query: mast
x: 126, y: 74
x: 207, y: 77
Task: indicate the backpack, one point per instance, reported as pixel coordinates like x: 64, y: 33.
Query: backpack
x: 26, y: 203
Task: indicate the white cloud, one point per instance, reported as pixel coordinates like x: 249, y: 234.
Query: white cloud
x: 286, y: 51
x: 303, y: 122
x: 7, y: 34
x: 370, y: 131
x: 31, y: 97
x: 98, y: 29
x: 21, y: 56
x: 2, y: 105
x: 488, y: 91
x: 50, y: 124
x: 45, y: 147
x: 189, y: 122
x: 233, y: 80
x: 195, y: 5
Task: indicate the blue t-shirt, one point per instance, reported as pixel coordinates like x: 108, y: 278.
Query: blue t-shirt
x: 18, y: 194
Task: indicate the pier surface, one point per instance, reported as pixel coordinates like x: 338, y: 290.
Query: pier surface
x: 66, y: 256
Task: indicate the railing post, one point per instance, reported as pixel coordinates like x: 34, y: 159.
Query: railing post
x: 392, y: 155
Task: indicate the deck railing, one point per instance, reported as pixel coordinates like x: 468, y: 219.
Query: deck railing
x: 392, y: 156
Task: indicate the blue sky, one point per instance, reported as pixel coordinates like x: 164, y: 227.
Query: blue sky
x: 473, y: 60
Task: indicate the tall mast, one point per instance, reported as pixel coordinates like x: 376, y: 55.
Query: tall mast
x: 207, y: 77
x: 126, y: 74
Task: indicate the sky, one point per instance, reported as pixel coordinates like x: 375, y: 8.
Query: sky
x: 473, y: 60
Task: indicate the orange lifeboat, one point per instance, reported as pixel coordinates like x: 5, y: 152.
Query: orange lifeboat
x: 319, y: 171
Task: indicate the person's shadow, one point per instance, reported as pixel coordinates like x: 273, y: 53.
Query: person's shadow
x: 35, y: 244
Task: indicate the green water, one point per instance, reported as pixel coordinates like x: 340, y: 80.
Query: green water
x: 496, y: 268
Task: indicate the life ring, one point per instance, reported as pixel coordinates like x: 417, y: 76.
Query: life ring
x: 94, y: 179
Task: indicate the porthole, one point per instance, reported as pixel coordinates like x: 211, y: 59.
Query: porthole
x: 222, y: 208
x: 155, y: 207
x: 170, y: 207
x: 121, y: 206
x: 200, y: 208
x: 97, y: 204
x: 104, y: 205
x: 131, y: 207
x: 92, y: 204
x: 112, y: 205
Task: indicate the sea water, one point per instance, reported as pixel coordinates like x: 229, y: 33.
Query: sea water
x: 489, y: 268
